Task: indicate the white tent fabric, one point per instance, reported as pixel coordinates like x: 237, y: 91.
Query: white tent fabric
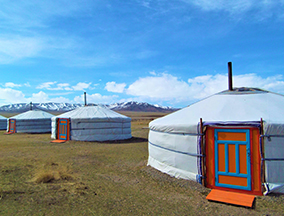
x: 95, y: 123
x: 33, y: 121
x: 3, y: 123
x: 173, y: 139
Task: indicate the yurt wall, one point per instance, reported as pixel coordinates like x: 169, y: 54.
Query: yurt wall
x: 3, y: 123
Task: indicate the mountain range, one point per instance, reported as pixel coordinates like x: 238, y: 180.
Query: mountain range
x: 64, y: 107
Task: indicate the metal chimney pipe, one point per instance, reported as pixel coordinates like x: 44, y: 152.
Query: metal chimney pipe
x: 230, y: 77
x: 85, y: 99
x: 31, y: 105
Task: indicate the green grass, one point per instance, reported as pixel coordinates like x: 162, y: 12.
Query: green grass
x: 92, y: 178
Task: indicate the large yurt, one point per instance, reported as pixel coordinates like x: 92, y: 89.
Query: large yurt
x: 91, y: 123
x: 3, y: 123
x: 232, y: 140
x: 32, y: 121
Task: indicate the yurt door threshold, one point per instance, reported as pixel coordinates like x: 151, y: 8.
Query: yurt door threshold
x: 231, y: 198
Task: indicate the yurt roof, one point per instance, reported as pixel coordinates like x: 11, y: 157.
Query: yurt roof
x: 2, y: 117
x: 93, y: 112
x: 240, y: 105
x: 33, y: 114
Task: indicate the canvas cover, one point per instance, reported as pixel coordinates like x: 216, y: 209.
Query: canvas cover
x: 33, y: 121
x: 173, y: 139
x: 3, y: 123
x: 95, y: 123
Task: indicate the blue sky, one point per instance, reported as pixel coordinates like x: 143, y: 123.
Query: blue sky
x: 170, y: 53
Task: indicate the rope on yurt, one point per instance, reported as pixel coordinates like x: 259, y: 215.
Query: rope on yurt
x: 177, y: 133
x: 200, y: 149
x: 172, y: 150
x: 70, y: 128
x: 272, y: 159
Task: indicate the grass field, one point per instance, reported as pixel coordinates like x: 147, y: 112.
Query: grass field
x: 110, y: 178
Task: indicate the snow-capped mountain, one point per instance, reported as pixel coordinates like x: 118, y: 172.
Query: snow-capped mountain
x: 22, y: 107
x: 64, y: 107
x: 139, y: 107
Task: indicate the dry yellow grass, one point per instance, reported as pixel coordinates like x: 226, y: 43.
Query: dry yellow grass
x: 93, y: 178
x: 52, y: 173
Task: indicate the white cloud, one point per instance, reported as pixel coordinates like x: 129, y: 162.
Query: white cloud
x: 171, y: 89
x: 115, y: 87
x: 64, y: 86
x: 33, y: 13
x: 39, y: 97
x: 162, y: 88
x: 96, y: 98
x: 27, y: 84
x: 233, y: 6
x: 81, y: 86
x: 165, y: 87
x: 12, y: 85
x: 13, y: 48
x: 46, y: 85
x: 42, y: 97
x: 261, y: 9
x: 60, y: 100
x: 8, y: 95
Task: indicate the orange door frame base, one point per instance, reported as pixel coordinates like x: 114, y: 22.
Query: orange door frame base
x: 255, y: 161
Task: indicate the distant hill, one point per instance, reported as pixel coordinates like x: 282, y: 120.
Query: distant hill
x: 64, y: 107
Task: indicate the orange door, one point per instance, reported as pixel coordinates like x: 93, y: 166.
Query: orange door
x: 233, y: 159
x: 63, y: 129
x: 12, y: 126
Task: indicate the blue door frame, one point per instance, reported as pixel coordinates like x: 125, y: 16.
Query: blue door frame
x: 237, y: 173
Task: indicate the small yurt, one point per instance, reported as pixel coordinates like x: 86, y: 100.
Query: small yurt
x: 91, y: 123
x: 32, y: 121
x: 3, y: 123
x: 232, y: 140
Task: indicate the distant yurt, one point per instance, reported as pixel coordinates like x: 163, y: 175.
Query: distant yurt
x: 91, y: 123
x: 3, y: 123
x: 232, y: 140
x: 32, y: 121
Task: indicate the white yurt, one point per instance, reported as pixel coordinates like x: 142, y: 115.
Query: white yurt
x: 32, y: 121
x: 91, y: 123
x: 232, y: 140
x: 3, y: 123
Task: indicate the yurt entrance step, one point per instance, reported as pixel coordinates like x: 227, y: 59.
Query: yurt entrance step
x: 8, y: 133
x: 231, y: 198
x: 58, y: 141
